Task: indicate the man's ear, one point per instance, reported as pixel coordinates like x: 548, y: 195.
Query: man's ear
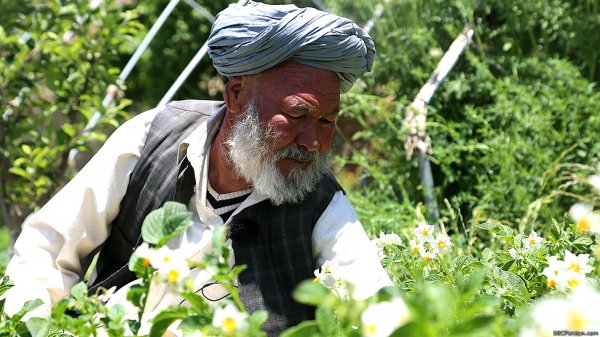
x: 233, y: 94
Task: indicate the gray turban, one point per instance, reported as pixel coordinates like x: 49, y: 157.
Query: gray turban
x: 250, y: 39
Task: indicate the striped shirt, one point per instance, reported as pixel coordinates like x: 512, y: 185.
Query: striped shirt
x: 224, y: 204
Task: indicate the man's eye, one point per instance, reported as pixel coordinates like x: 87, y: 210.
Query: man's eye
x: 292, y: 116
x: 327, y: 121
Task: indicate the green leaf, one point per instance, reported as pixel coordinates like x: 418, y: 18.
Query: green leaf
x: 135, y: 294
x: 192, y: 324
x: 20, y: 172
x: 311, y: 293
x: 583, y: 240
x: 197, y: 302
x: 165, y: 223
x: 27, y: 307
x: 326, y: 319
x: 258, y: 318
x: 69, y: 130
x: 26, y: 149
x: 497, y: 228
x: 304, y: 329
x: 165, y: 318
x: 460, y: 263
x: 473, y: 283
x: 473, y: 327
x: 116, y: 312
x: 79, y: 291
x: 38, y: 327
x: 5, y: 284
x: 487, y: 254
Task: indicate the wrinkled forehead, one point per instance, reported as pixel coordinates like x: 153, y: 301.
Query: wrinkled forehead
x: 291, y: 78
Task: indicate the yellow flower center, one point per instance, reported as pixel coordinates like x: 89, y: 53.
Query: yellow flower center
x: 532, y: 241
x: 145, y: 262
x: 427, y: 258
x: 576, y: 322
x: 415, y: 249
x: 583, y: 224
x: 551, y: 283
x: 173, y: 276
x: 166, y: 259
x: 425, y: 232
x: 229, y: 325
x: 573, y: 283
x: 575, y: 267
x: 371, y: 329
x: 327, y: 270
x: 441, y: 244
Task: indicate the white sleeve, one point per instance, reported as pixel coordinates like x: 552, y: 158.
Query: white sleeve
x: 339, y: 237
x: 47, y: 260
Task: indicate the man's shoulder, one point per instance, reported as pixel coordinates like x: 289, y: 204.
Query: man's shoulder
x: 203, y: 107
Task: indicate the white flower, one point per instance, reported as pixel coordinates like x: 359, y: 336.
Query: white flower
x: 230, y: 319
x: 515, y: 254
x: 554, y: 272
x: 577, y: 263
x: 571, y: 280
x: 329, y: 276
x: 378, y: 248
x: 424, y: 232
x: 171, y: 265
x: 107, y: 294
x: 381, y: 319
x: 532, y: 240
x: 416, y: 246
x: 145, y: 253
x: 585, y: 219
x: 441, y: 243
x: 427, y: 255
x: 577, y: 312
x: 595, y: 182
x: 174, y: 273
x: 164, y: 256
x: 389, y: 239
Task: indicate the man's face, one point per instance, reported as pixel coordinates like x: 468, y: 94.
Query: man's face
x: 300, y: 104
x: 281, y: 143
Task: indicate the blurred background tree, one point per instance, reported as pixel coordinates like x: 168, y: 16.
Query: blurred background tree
x: 57, y: 60
x: 520, y: 102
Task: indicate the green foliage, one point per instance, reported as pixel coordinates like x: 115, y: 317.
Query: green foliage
x: 165, y: 223
x: 56, y: 62
x: 513, y: 112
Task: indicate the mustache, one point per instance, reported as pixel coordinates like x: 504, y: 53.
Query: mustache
x: 297, y: 152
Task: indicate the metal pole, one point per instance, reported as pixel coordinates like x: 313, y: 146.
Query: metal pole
x: 416, y: 114
x: 110, y: 95
x: 207, y: 15
x: 188, y: 69
x: 184, y: 74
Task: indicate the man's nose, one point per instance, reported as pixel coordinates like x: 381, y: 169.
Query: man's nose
x: 308, y: 137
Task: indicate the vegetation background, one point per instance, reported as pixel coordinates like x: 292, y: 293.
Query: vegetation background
x: 515, y: 125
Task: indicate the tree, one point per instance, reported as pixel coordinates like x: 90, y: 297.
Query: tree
x: 56, y: 62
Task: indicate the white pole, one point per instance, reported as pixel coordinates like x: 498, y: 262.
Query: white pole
x: 110, y: 95
x: 188, y: 69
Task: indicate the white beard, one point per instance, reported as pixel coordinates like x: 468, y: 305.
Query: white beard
x: 255, y: 161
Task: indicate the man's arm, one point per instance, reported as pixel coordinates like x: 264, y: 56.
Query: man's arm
x: 48, y: 254
x: 339, y: 238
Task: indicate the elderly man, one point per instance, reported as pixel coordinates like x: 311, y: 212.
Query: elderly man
x: 259, y: 162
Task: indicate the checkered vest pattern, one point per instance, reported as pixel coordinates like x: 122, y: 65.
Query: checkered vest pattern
x: 274, y: 242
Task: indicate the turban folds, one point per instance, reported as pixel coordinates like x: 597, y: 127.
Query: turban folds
x: 246, y: 40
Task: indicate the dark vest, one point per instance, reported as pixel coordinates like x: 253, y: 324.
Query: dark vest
x: 274, y: 242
